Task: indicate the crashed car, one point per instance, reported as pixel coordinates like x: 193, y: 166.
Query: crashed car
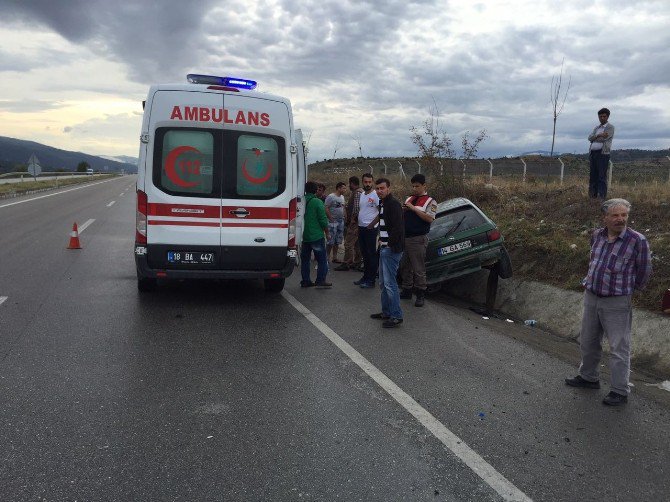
x: 463, y: 240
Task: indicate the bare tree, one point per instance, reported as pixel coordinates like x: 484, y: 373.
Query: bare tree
x: 337, y: 147
x: 469, y: 148
x: 556, y: 102
x: 359, y: 142
x: 431, y: 140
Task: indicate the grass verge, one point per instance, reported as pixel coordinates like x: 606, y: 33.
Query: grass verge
x: 23, y: 187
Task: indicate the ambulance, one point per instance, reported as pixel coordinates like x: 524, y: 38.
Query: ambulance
x: 220, y: 181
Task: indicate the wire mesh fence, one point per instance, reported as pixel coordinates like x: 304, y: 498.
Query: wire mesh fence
x: 524, y: 168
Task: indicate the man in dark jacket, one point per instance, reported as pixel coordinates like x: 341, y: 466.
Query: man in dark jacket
x: 391, y: 245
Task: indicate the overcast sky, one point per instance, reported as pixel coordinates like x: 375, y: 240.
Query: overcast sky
x: 73, y: 73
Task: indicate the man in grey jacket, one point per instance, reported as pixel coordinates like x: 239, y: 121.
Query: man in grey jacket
x: 599, y: 154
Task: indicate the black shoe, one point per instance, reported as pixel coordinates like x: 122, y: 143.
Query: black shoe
x: 367, y: 285
x: 578, y: 381
x: 614, y: 399
x: 304, y: 284
x: 342, y: 268
x: 406, y: 294
x: 420, y: 299
x: 323, y: 284
x: 380, y: 315
x: 391, y: 323
x: 359, y: 281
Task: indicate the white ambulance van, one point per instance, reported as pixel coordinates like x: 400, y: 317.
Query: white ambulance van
x: 220, y: 181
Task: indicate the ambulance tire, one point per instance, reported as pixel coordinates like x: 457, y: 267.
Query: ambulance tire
x: 146, y: 284
x: 274, y: 285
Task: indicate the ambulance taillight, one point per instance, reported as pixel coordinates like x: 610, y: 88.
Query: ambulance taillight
x: 141, y: 218
x: 291, y: 222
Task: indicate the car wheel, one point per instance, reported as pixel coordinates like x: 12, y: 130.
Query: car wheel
x: 274, y: 285
x: 504, y: 265
x: 146, y: 284
x: 492, y: 286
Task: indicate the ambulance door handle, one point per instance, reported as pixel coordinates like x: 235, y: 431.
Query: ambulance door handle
x: 240, y: 212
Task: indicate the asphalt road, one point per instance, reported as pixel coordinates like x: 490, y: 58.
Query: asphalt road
x: 220, y: 391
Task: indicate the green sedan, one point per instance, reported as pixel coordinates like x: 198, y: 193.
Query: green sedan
x: 463, y: 240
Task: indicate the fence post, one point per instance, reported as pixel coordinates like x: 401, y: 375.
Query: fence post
x: 464, y: 167
x: 442, y: 170
x: 418, y: 164
x: 524, y: 168
x: 562, y: 169
x: 668, y: 171
x: 490, y: 170
x: 384, y: 164
x: 402, y: 171
x: 610, y: 168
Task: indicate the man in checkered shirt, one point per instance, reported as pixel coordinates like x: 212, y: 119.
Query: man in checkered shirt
x: 620, y: 263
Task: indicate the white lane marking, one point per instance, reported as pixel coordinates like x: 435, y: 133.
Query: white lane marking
x: 57, y: 193
x: 3, y: 299
x: 85, y: 226
x: 122, y: 194
x: 469, y: 457
x: 111, y: 203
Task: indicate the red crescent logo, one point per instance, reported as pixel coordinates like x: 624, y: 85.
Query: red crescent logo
x: 251, y: 179
x: 170, y: 166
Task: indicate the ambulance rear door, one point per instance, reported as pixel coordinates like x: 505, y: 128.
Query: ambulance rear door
x: 301, y: 178
x: 257, y: 186
x: 183, y: 181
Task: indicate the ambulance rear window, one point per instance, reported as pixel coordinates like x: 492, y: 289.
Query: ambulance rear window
x: 258, y: 170
x: 187, y: 162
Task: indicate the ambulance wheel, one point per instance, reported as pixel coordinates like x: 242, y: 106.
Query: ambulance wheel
x: 274, y: 285
x: 146, y: 284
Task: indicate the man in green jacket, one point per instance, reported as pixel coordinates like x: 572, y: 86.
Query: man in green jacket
x: 315, y: 227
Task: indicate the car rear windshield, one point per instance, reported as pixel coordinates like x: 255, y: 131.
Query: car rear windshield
x: 214, y: 163
x: 459, y: 219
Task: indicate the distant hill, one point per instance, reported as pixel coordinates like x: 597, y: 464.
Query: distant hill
x: 543, y: 153
x: 16, y: 152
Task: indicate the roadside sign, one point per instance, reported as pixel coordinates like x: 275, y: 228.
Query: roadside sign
x: 34, y: 167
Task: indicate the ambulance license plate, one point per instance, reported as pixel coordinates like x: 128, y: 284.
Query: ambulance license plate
x: 190, y: 257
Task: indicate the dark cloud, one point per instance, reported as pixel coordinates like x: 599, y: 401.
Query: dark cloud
x: 361, y: 66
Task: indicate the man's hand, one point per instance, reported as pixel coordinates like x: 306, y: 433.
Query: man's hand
x: 409, y: 205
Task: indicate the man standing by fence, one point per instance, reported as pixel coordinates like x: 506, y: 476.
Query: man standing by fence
x: 599, y: 154
x: 620, y: 263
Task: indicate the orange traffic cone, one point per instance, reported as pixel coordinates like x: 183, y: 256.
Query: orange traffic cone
x: 74, y: 238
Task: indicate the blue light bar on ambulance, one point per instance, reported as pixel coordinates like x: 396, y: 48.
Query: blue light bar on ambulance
x: 238, y: 83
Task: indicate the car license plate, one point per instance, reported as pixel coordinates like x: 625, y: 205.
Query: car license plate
x: 190, y: 257
x: 454, y: 247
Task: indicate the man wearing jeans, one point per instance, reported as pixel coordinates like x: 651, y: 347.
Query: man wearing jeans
x: 391, y: 245
x: 368, y: 213
x: 599, y: 154
x: 315, y: 225
x: 620, y: 263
